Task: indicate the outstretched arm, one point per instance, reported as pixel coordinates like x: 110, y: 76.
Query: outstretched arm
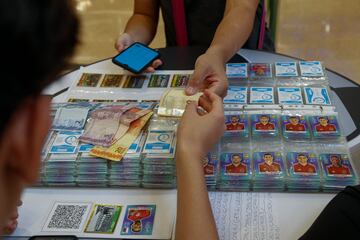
x: 196, y: 136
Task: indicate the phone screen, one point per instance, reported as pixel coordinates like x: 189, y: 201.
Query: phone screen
x: 136, y: 57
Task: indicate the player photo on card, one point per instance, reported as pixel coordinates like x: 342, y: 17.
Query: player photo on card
x: 268, y: 163
x: 159, y: 81
x: 103, y: 219
x: 264, y: 125
x: 260, y: 70
x: 336, y: 165
x: 209, y: 165
x: 67, y: 217
x: 325, y: 126
x: 89, y: 80
x: 235, y: 164
x: 303, y: 163
x: 134, y: 81
x: 139, y: 220
x: 180, y: 80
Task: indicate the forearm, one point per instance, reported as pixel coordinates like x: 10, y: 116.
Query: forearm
x: 234, y: 29
x: 194, y: 215
x: 142, y: 28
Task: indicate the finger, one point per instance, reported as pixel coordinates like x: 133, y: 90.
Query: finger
x: 216, y: 101
x: 149, y: 70
x: 205, y: 103
x: 156, y: 63
x: 190, y: 110
x: 195, y: 81
x: 220, y: 89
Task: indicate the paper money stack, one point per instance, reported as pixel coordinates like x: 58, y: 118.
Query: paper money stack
x: 159, y: 148
x: 91, y: 171
x: 128, y: 171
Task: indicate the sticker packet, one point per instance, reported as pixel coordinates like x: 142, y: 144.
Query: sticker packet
x: 65, y: 142
x: 295, y: 127
x: 325, y: 127
x: 286, y: 69
x: 290, y: 95
x: 261, y: 95
x: 317, y: 96
x: 264, y: 125
x: 237, y: 125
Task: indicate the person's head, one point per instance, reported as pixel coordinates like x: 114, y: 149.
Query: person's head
x: 323, y: 121
x: 234, y: 119
x: 264, y: 119
x: 302, y: 159
x: 268, y: 158
x: 294, y: 120
x: 136, y: 226
x: 37, y: 40
x: 236, y: 159
x: 335, y: 160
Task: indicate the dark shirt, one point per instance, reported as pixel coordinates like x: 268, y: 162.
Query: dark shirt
x: 202, y: 20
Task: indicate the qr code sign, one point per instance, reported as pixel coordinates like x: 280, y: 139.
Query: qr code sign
x: 67, y: 217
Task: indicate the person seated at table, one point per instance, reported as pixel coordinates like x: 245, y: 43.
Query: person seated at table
x: 222, y: 26
x: 38, y: 37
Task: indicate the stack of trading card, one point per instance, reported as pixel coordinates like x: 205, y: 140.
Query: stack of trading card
x: 269, y: 171
x: 128, y: 171
x: 210, y: 164
x: 337, y: 171
x: 237, y: 126
x: 60, y: 170
x: 235, y: 171
x: 159, y: 164
x: 295, y: 127
x: 304, y: 172
x: 91, y: 171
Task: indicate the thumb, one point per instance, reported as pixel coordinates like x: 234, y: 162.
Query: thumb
x: 190, y: 109
x: 195, y: 81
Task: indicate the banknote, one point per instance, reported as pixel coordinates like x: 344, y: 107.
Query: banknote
x: 117, y: 151
x: 173, y: 102
x: 103, y: 125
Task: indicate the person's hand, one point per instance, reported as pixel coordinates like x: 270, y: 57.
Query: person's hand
x: 11, y: 225
x: 124, y: 41
x: 199, y: 131
x: 209, y: 74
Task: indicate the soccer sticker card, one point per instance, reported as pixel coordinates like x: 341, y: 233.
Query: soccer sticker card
x: 236, y: 125
x: 139, y: 220
x: 336, y: 166
x: 264, y: 125
x: 290, y: 95
x: 236, y: 70
x: 261, y: 95
x: 303, y: 165
x: 295, y: 127
x: 325, y: 127
x: 269, y: 164
x: 235, y: 166
x: 317, y: 96
x: 286, y: 69
x: 236, y: 95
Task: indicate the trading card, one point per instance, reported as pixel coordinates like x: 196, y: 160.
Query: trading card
x: 237, y: 95
x: 139, y: 220
x: 336, y: 165
x: 134, y: 81
x: 260, y: 70
x: 303, y: 164
x: 180, y: 80
x: 135, y: 146
x: 236, y: 125
x: 235, y: 165
x: 67, y: 217
x: 65, y: 142
x: 103, y: 219
x: 73, y: 100
x: 295, y: 127
x: 210, y: 165
x: 89, y: 80
x: 324, y: 126
x: 264, y: 124
x: 317, y: 96
x: 311, y: 69
x: 261, y: 95
x: 290, y: 95
x: 126, y: 100
x: 85, y: 147
x: 159, y: 81
x: 159, y: 141
x: 268, y: 163
x: 286, y: 69
x: 70, y: 117
x: 112, y: 80
x: 236, y: 70
x: 102, y: 100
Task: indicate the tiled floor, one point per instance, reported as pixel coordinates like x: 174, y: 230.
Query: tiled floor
x: 328, y: 30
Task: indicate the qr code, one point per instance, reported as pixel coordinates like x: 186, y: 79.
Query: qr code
x: 67, y: 217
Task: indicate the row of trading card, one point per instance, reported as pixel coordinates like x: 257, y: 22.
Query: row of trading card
x: 295, y: 169
x: 75, y: 217
x: 291, y: 127
x: 237, y: 70
x: 254, y: 71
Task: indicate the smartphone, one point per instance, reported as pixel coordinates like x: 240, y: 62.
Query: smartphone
x: 136, y: 58
x: 53, y: 238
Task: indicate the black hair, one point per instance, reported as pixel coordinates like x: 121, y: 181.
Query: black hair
x: 267, y: 154
x: 38, y: 38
